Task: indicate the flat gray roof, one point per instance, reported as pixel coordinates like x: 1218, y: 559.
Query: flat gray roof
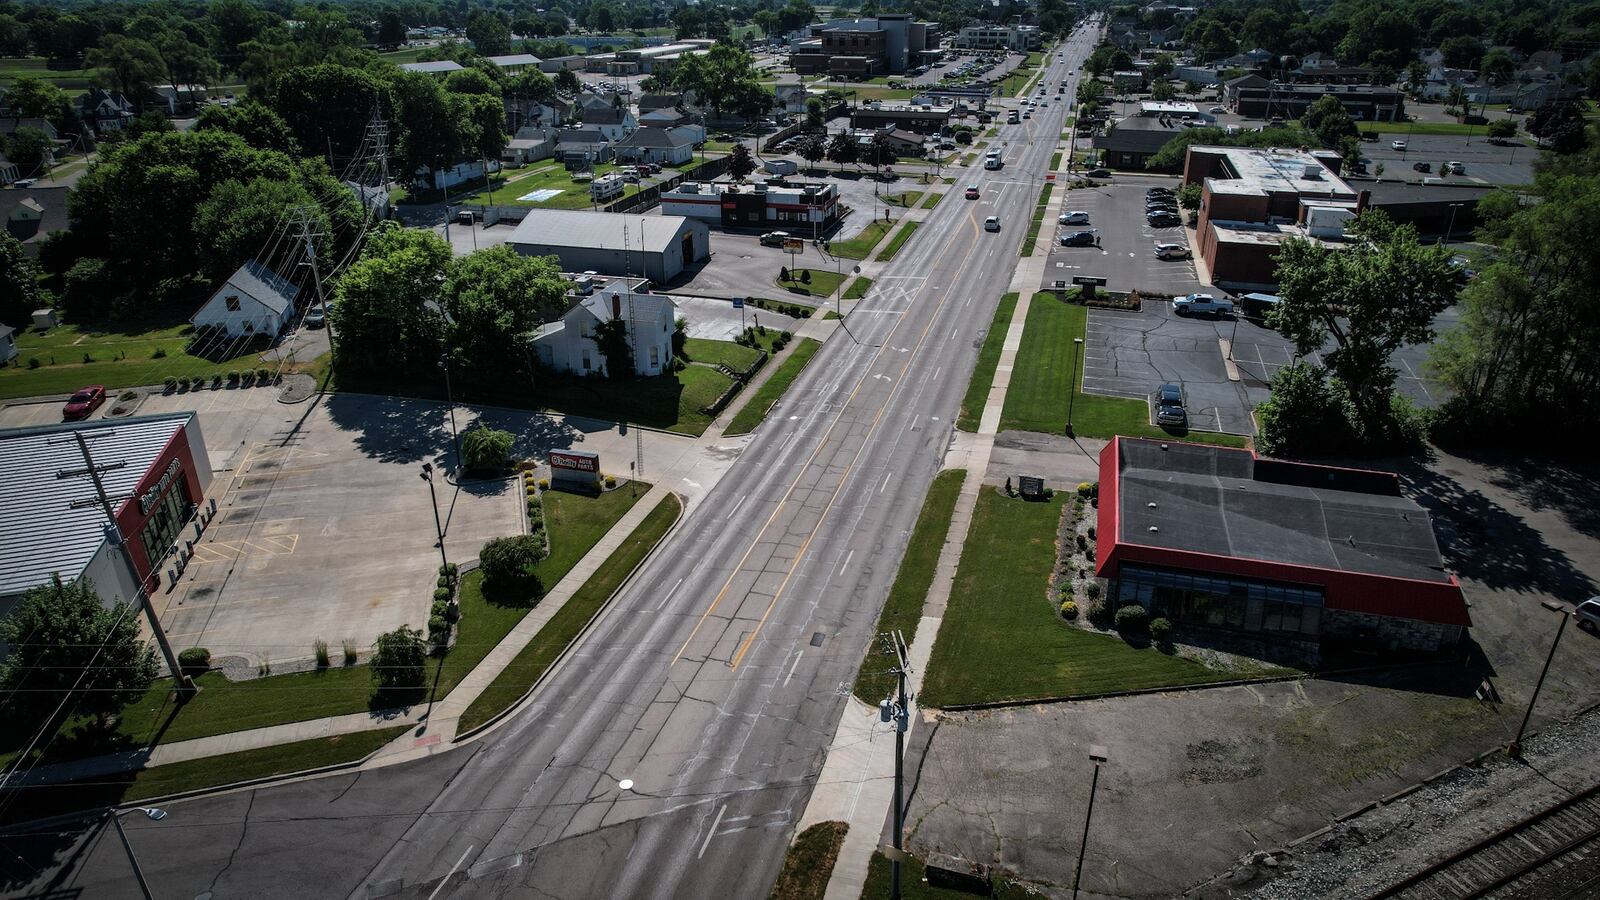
x: 598, y: 230
x: 41, y: 533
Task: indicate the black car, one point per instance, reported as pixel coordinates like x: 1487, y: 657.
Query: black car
x: 1160, y: 192
x: 1162, y: 219
x: 1169, y: 406
x: 1422, y: 167
x: 1078, y: 239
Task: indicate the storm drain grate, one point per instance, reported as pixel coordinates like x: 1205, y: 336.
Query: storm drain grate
x: 817, y: 638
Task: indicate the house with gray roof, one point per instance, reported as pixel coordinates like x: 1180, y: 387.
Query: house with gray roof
x: 615, y: 122
x: 668, y: 146
x: 253, y: 301
x: 569, y: 344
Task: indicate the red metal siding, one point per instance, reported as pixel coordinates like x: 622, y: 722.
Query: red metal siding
x: 1107, y: 526
x: 132, y: 521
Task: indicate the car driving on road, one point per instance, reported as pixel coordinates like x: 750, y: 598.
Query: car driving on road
x: 1198, y: 303
x: 972, y: 192
x: 991, y: 224
x: 774, y: 238
x: 1397, y: 145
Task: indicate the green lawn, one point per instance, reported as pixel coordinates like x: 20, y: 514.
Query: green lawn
x: 932, y: 200
x: 1001, y: 638
x: 756, y: 406
x: 1055, y: 161
x: 858, y: 288
x: 121, y: 354
x: 903, y: 609
x: 668, y: 402
x: 69, y: 80
x: 575, y: 522
x: 860, y: 246
x: 734, y: 356
x: 1038, y: 397
x: 544, y: 176
x: 809, y: 863
x: 1399, y: 130
x: 1032, y: 236
x: 898, y: 241
x: 541, y: 652
x: 822, y: 282
x: 794, y: 310
x: 212, y: 771
x: 905, y: 199
x: 983, y: 372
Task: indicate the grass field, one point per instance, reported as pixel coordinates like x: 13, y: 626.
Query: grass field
x: 1055, y: 161
x: 858, y: 288
x: 69, y: 80
x: 905, y: 199
x: 1001, y: 638
x: 809, y: 863
x: 756, y: 406
x: 575, y: 522
x: 860, y: 246
x: 821, y: 283
x: 122, y: 354
x: 903, y: 609
x: 564, y: 627
x: 735, y: 356
x: 898, y: 241
x: 668, y: 402
x: 1037, y: 399
x: 543, y: 176
x: 932, y: 200
x: 983, y: 372
x: 1029, y: 239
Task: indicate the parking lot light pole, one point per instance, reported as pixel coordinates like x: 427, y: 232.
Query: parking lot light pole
x: 438, y: 524
x: 1515, y: 750
x: 1451, y: 227
x: 1098, y: 755
x: 1072, y: 379
x: 154, y: 814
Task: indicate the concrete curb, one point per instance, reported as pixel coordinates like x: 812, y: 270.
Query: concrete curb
x: 583, y: 632
x: 1189, y: 688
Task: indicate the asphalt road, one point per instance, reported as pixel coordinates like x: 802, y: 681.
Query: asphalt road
x: 713, y: 683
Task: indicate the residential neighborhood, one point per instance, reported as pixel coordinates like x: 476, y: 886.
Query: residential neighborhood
x: 757, y: 448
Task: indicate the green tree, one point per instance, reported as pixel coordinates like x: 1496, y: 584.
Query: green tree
x: 489, y: 33
x: 530, y: 85
x: 29, y: 149
x: 381, y: 302
x: 724, y: 79
x: 1560, y: 126
x: 36, y: 98
x: 567, y: 82
x: 813, y: 148
x: 63, y: 642
x: 327, y: 106
x: 688, y: 22
x: 815, y: 113
x: 232, y: 24
x: 740, y: 162
x: 1304, y: 416
x: 1372, y: 297
x: 471, y: 81
x: 1161, y: 67
x: 399, y: 663
x: 186, y: 62
x: 1502, y: 129
x: 19, y: 283
x: 486, y: 449
x: 129, y: 65
x: 842, y: 149
x: 1328, y: 120
x: 611, y: 338
x: 507, y: 562
x: 239, y: 219
x: 391, y: 29
x: 1498, y: 66
x: 497, y: 297
x: 255, y: 122
x: 1462, y: 51
x: 1162, y: 91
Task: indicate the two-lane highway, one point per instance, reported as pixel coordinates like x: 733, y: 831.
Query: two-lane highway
x: 712, y: 685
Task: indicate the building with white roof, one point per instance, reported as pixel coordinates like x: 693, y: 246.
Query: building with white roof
x: 155, y: 471
x: 436, y: 67
x: 657, y: 247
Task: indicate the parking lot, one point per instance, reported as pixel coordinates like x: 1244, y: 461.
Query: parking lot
x: 1126, y: 255
x: 1485, y: 163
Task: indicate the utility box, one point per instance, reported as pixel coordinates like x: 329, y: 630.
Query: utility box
x: 957, y: 874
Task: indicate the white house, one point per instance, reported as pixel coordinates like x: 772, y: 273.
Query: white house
x: 791, y: 94
x: 667, y: 146
x: 614, y: 122
x: 531, y: 143
x: 254, y: 300
x: 569, y: 345
x: 8, y: 344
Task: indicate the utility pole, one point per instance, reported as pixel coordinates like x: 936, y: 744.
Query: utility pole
x: 1515, y: 750
x: 138, y: 873
x: 307, y: 237
x: 897, y: 709
x: 113, y: 531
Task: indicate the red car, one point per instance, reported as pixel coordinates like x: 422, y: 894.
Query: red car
x: 83, y: 404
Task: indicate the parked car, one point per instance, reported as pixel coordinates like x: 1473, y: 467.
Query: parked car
x: 973, y: 193
x: 1397, y: 145
x: 1098, y: 173
x: 316, y: 317
x: 991, y: 224
x: 1454, y: 168
x: 1078, y: 239
x: 774, y: 238
x: 1172, y: 251
x: 1216, y: 109
x: 1422, y: 167
x: 1076, y: 217
x: 82, y: 404
x: 1588, y: 615
x: 1169, y: 406
x: 1163, y: 219
x: 1194, y: 304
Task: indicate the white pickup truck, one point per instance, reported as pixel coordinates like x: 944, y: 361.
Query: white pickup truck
x: 1194, y: 304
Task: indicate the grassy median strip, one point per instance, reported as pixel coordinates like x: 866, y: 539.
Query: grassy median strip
x: 1038, y: 220
x: 898, y: 241
x: 1001, y: 638
x: 1055, y: 161
x: 1042, y: 384
x: 195, y: 774
x: 903, y: 609
x: 988, y: 359
x: 755, y: 408
x: 858, y: 288
x: 860, y: 246
x: 932, y: 200
x: 565, y: 625
x: 809, y: 862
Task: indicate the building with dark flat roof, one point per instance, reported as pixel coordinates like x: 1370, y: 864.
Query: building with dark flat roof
x: 1134, y: 140
x: 1220, y: 538
x: 1364, y: 102
x: 920, y: 120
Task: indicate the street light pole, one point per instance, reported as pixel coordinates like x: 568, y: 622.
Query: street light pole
x: 154, y: 814
x: 898, y: 711
x: 1452, y: 224
x: 1098, y: 755
x: 1515, y: 750
x: 1072, y: 379
x: 450, y: 401
x: 438, y: 525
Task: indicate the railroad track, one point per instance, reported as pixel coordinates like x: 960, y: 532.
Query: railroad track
x: 1553, y: 854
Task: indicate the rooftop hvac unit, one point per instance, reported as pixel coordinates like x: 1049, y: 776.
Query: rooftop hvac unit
x: 1313, y: 171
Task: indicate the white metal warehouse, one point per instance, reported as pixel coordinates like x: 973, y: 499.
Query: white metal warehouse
x: 657, y: 247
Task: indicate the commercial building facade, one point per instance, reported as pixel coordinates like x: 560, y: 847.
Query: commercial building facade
x: 888, y: 44
x: 1218, y: 538
x: 919, y: 120
x: 755, y: 206
x: 1020, y: 38
x: 1364, y: 102
x: 155, y: 470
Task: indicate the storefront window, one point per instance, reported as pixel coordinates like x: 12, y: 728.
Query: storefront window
x: 1221, y: 601
x: 168, y: 516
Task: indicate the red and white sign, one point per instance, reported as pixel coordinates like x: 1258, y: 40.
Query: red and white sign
x: 575, y: 460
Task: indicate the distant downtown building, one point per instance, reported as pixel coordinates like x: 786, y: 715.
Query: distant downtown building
x: 998, y: 37
x: 888, y: 44
x: 1306, y: 555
